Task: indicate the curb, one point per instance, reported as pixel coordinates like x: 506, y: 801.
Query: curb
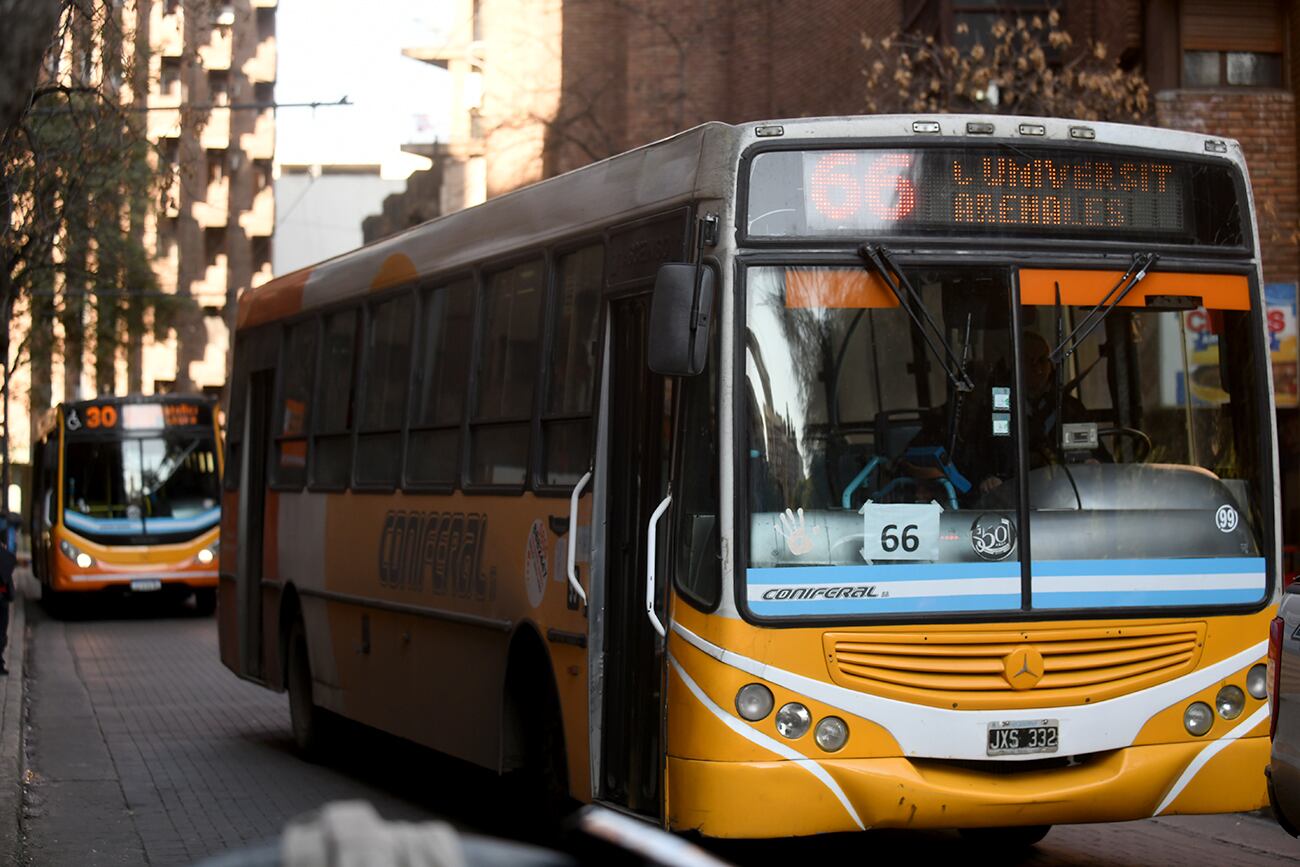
x: 11, y: 726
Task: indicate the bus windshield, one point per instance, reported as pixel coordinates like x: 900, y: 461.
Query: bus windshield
x: 877, y: 484
x: 153, y: 485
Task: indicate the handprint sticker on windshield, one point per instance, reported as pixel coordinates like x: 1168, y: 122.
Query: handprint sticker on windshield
x: 795, y: 531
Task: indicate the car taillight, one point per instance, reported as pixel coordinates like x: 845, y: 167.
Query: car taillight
x: 1274, y: 678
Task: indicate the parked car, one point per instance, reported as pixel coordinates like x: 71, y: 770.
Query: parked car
x: 1283, y: 682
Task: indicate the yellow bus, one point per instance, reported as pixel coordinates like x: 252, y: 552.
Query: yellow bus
x: 126, y: 497
x: 785, y: 478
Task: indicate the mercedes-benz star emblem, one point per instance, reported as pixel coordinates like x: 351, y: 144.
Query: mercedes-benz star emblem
x: 1023, y: 668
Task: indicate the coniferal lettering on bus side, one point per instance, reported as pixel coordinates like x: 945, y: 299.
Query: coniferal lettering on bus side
x: 441, y: 550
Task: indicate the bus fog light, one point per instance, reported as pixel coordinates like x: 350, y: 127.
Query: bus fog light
x: 831, y: 733
x: 754, y: 701
x: 1198, y: 718
x: 1230, y: 702
x: 75, y: 554
x: 1257, y: 680
x: 792, y: 720
x: 206, y: 556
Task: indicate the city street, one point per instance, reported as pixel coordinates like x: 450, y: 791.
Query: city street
x: 142, y: 749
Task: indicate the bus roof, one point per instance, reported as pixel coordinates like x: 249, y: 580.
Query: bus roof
x: 698, y: 163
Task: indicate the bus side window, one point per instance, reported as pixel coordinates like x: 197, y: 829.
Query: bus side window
x: 297, y: 365
x: 335, y: 393
x: 575, y: 337
x: 446, y: 329
x: 507, y: 376
x: 387, y: 374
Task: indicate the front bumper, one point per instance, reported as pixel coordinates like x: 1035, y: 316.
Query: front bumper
x: 789, y: 798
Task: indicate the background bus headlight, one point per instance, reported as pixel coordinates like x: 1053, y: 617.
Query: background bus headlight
x: 1257, y: 680
x: 754, y: 701
x: 1230, y: 702
x: 81, y: 558
x: 209, y: 554
x: 831, y: 734
x: 792, y: 720
x: 1198, y: 718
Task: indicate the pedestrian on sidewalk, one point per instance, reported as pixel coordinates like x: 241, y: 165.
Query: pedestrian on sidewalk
x: 7, y: 563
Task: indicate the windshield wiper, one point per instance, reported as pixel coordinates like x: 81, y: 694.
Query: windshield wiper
x: 1142, y: 262
x: 909, y: 299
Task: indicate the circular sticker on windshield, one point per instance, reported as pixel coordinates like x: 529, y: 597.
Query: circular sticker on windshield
x: 993, y: 537
x: 1226, y: 519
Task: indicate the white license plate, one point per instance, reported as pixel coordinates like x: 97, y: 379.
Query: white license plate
x: 1022, y: 737
x: 146, y: 585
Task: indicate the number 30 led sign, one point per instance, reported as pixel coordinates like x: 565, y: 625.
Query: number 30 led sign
x: 1054, y: 192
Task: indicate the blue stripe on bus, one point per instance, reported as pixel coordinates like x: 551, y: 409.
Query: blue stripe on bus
x: 902, y: 604
x: 106, y: 526
x: 884, y: 572
x: 1163, y: 566
x: 1145, y: 598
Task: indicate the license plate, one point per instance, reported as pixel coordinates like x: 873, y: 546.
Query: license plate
x: 146, y: 585
x: 1019, y: 737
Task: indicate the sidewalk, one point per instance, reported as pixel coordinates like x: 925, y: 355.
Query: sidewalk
x: 11, y: 722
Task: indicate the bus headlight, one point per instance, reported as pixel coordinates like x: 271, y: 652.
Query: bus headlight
x: 831, y: 734
x: 1198, y: 718
x: 208, y: 554
x: 81, y: 558
x: 1257, y: 680
x: 792, y: 720
x: 754, y: 701
x: 1230, y: 702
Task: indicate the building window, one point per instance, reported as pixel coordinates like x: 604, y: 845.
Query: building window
x: 507, y: 375
x: 388, y: 378
x: 446, y: 331
x: 973, y: 21
x: 1231, y: 45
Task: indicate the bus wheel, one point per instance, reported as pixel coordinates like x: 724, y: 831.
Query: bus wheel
x: 1008, y: 838
x: 205, y: 601
x: 306, y: 718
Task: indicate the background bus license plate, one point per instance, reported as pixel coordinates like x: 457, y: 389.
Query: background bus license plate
x: 1023, y: 736
x: 145, y: 585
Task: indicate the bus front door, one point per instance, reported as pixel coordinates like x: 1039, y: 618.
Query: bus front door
x: 634, y: 430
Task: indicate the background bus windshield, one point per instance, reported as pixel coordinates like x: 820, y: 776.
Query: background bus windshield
x: 153, y: 485
x: 877, y: 484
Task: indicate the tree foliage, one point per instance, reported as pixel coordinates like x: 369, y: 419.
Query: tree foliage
x: 79, y: 179
x: 1029, y: 66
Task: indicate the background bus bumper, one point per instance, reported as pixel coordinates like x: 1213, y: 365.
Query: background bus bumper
x: 92, y: 582
x: 783, y: 798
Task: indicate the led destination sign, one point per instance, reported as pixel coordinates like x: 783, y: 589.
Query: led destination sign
x: 1059, y: 192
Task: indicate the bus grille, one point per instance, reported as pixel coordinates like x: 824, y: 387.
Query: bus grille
x: 1048, y: 667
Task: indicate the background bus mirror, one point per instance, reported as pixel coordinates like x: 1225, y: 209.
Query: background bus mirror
x: 47, y: 509
x: 679, y: 319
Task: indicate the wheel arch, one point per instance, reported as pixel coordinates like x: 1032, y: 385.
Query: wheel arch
x: 531, y: 691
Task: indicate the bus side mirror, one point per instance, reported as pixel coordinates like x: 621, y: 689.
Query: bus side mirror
x: 47, y: 508
x: 679, y: 319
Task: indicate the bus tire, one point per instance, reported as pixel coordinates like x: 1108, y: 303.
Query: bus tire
x: 205, y: 601
x: 308, y: 721
x: 1021, y: 837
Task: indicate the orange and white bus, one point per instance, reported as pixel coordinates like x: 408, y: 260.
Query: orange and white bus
x: 952, y: 502
x: 126, y: 497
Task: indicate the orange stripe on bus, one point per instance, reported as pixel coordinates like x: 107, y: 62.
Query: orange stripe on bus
x: 275, y: 300
x: 1086, y: 288
x: 840, y: 288
x: 397, y: 268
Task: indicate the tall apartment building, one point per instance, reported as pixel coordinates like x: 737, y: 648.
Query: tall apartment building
x: 205, y: 75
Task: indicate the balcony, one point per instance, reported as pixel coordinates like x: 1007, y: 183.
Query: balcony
x: 211, y: 290
x: 214, y: 209
x: 259, y: 220
x: 163, y: 120
x: 260, y: 68
x: 216, y: 54
x: 166, y: 32
x: 216, y: 130
x: 260, y: 143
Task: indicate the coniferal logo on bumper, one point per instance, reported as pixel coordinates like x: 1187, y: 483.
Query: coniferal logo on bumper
x: 782, y: 594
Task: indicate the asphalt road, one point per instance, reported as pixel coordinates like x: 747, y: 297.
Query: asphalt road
x: 142, y: 749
